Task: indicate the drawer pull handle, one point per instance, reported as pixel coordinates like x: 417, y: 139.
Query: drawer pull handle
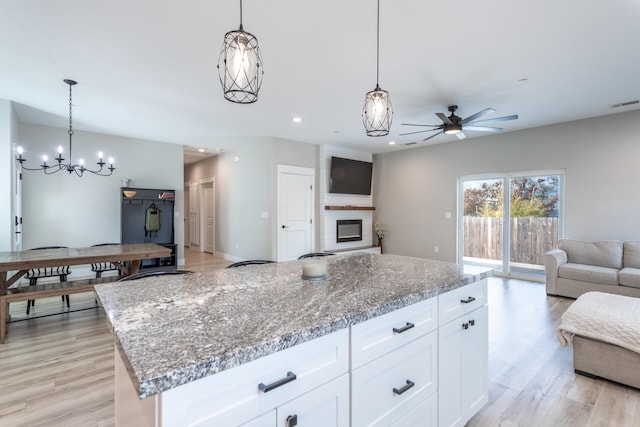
x: 399, y: 391
x: 292, y: 420
x: 404, y: 328
x: 472, y: 322
x: 267, y: 388
x: 468, y: 300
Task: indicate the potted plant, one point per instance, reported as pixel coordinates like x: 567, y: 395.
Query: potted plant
x: 381, y: 229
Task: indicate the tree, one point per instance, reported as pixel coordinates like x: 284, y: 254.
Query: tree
x: 530, y: 197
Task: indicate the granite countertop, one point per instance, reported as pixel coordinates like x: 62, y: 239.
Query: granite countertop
x: 174, y: 329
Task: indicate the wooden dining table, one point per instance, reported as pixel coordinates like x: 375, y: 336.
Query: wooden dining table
x: 127, y: 258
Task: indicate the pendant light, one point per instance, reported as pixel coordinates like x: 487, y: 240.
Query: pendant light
x: 79, y: 168
x: 240, y: 66
x: 377, y: 113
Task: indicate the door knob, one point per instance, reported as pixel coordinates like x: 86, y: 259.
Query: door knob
x: 285, y: 226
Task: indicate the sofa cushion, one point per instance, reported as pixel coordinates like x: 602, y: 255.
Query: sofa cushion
x: 629, y: 277
x: 604, y: 254
x: 631, y: 257
x: 589, y: 273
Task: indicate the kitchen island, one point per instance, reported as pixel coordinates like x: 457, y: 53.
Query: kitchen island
x: 199, y: 349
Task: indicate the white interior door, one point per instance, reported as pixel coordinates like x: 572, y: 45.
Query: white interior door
x: 187, y: 216
x: 194, y: 216
x: 295, y: 211
x: 16, y: 203
x: 209, y: 216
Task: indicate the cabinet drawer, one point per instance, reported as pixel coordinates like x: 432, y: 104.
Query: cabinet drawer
x: 383, y: 334
x: 373, y: 398
x: 461, y: 301
x: 234, y: 394
x: 325, y: 406
x: 425, y: 415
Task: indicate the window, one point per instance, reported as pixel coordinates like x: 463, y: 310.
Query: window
x: 509, y: 221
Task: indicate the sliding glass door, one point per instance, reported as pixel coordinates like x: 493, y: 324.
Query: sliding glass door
x: 507, y: 222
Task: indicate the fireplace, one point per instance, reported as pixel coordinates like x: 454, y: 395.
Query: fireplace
x: 348, y: 230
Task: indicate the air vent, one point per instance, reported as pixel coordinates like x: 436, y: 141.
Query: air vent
x: 625, y: 104
x: 411, y: 143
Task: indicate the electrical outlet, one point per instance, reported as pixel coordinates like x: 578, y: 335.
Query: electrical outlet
x: 237, y: 246
x: 436, y: 249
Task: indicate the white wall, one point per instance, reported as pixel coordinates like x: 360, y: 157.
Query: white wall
x: 246, y: 180
x: 8, y: 134
x: 243, y: 192
x: 66, y: 210
x: 414, y: 188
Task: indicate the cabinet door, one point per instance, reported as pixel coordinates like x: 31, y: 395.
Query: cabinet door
x: 475, y: 376
x: 326, y: 406
x: 463, y: 369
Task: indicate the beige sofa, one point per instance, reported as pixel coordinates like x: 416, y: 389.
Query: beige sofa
x: 579, y: 266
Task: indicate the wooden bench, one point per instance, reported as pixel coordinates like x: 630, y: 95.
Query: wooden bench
x: 45, y: 290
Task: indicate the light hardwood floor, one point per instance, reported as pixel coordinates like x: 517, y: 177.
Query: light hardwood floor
x: 58, y: 370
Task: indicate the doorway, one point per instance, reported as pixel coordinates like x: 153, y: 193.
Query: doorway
x: 200, y: 217
x: 295, y: 212
x: 208, y: 187
x: 507, y: 222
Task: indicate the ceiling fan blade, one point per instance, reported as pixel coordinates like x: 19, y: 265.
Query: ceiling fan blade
x: 482, y: 128
x: 476, y: 115
x: 432, y: 136
x: 497, y: 119
x: 418, y: 131
x: 444, y: 118
x: 461, y: 135
x: 413, y: 124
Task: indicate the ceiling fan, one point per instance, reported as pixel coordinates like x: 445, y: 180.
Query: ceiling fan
x: 454, y: 125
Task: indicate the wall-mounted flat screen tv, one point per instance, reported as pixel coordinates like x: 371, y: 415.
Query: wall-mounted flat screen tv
x: 350, y: 176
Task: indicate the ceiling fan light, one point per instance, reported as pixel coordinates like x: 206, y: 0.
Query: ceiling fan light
x: 452, y: 129
x: 377, y: 112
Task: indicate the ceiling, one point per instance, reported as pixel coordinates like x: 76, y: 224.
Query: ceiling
x: 147, y: 69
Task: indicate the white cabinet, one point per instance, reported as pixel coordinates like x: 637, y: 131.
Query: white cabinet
x: 394, y: 361
x: 422, y: 365
x: 387, y: 389
x: 463, y: 355
x: 383, y: 334
x: 244, y: 394
x: 325, y: 406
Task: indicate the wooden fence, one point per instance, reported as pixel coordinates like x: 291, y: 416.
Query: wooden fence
x: 530, y: 238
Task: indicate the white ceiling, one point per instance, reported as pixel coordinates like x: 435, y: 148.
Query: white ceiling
x: 147, y: 69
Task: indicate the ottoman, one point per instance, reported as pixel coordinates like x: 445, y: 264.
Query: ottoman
x: 605, y: 332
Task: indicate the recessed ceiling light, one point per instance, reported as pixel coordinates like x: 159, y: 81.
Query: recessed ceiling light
x: 201, y: 150
x: 392, y: 143
x: 297, y: 119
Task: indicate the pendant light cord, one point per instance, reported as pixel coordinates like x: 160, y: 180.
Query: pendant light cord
x: 70, y: 131
x: 377, y: 47
x: 240, y: 15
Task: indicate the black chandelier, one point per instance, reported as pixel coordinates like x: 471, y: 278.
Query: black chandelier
x: 79, y: 168
x: 241, y: 71
x: 377, y: 113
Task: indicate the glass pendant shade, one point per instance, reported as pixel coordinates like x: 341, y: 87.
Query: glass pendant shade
x: 377, y: 113
x: 240, y: 67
